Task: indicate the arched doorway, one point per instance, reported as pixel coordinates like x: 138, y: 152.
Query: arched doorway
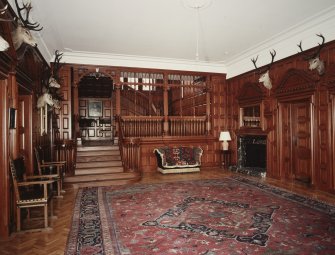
x: 95, y: 106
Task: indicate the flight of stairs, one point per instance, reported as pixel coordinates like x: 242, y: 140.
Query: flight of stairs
x: 100, y: 166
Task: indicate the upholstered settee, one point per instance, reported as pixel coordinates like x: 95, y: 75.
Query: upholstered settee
x: 182, y: 159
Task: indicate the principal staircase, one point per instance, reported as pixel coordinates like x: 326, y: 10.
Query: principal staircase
x: 100, y: 165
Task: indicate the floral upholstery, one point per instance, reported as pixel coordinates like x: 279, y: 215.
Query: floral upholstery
x: 174, y: 157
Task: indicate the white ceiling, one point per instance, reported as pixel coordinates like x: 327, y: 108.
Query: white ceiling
x: 162, y: 33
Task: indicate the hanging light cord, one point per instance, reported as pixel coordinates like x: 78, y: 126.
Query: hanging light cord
x: 197, y: 33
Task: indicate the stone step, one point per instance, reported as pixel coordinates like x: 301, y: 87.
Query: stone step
x: 97, y: 148
x: 101, y: 170
x: 83, y: 159
x: 94, y: 179
x: 82, y: 165
x: 98, y: 153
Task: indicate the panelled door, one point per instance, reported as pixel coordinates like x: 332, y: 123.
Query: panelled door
x: 301, y: 139
x: 24, y: 125
x: 296, y: 155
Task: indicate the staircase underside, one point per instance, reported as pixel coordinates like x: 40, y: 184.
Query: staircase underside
x: 100, y: 166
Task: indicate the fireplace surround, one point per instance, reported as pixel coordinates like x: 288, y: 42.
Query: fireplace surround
x: 252, y: 155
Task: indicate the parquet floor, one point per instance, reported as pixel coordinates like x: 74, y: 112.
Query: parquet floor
x: 53, y: 242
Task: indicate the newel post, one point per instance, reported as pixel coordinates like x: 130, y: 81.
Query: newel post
x: 208, y: 109
x: 166, y: 106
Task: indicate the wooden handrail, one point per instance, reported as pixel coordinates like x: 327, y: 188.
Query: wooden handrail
x: 66, y: 150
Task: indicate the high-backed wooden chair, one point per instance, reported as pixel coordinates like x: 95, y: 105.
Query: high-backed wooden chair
x: 33, y: 192
x: 51, y: 169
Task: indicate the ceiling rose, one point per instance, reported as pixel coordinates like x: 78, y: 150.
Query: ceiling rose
x: 197, y: 4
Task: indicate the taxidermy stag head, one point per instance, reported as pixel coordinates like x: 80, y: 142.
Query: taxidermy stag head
x: 22, y: 33
x: 265, y: 76
x: 314, y: 59
x: 44, y: 99
x: 3, y: 43
x: 54, y: 78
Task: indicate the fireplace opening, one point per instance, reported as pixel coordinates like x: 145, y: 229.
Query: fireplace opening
x: 252, y: 154
x: 255, y: 155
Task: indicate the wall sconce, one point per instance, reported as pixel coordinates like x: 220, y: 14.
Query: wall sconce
x: 225, y: 137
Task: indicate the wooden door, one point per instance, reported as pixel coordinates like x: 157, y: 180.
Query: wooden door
x: 24, y: 125
x: 295, y: 141
x: 301, y: 141
x: 285, y: 141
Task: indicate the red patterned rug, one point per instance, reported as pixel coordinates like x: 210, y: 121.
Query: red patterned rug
x: 212, y: 217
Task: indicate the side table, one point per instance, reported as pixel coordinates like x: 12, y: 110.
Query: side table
x: 225, y: 158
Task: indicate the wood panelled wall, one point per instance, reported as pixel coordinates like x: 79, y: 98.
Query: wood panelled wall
x: 65, y: 114
x: 101, y: 128
x: 298, y: 118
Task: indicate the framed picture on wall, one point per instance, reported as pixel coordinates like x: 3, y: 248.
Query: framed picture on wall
x: 12, y: 118
x: 95, y: 108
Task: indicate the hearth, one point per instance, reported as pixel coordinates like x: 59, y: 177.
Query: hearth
x: 252, y: 155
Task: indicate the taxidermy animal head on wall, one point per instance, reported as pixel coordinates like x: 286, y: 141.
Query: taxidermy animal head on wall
x: 265, y: 75
x: 314, y: 59
x: 3, y: 43
x: 22, y: 35
x: 54, y: 77
x: 44, y: 99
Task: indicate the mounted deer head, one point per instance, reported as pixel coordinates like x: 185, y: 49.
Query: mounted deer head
x: 3, y: 43
x: 314, y: 59
x: 44, y: 99
x: 22, y: 33
x: 265, y: 76
x: 54, y: 78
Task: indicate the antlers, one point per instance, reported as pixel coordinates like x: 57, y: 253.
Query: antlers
x: 57, y: 65
x: 2, y: 11
x: 265, y: 76
x: 254, y: 60
x: 27, y: 7
x: 272, y: 53
x: 314, y: 55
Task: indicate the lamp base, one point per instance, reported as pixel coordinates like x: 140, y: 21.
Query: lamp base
x: 225, y: 145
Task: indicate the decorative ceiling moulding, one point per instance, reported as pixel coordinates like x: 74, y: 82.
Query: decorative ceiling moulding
x: 197, y: 4
x: 285, y: 42
x: 87, y: 58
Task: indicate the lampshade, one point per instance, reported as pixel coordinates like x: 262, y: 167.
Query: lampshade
x: 224, y: 136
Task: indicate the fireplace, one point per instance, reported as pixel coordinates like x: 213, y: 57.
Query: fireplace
x: 252, y: 155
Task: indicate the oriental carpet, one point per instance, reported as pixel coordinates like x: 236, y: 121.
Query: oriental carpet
x: 214, y: 217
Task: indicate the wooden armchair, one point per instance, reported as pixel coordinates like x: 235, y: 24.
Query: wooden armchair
x: 54, y: 170
x: 34, y: 192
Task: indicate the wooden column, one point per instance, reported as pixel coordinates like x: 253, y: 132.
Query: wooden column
x: 75, y: 99
x: 208, y: 110
x: 4, y: 173
x: 166, y: 106
x: 166, y: 111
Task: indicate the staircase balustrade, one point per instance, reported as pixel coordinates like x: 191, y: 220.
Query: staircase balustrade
x: 66, y: 151
x: 152, y: 126
x: 142, y: 126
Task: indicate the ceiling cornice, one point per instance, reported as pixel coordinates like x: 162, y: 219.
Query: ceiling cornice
x: 285, y: 43
x: 93, y: 58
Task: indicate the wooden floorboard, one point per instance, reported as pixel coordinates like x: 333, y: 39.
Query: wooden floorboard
x: 53, y: 242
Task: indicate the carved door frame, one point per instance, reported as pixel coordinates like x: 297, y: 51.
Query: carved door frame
x: 295, y: 86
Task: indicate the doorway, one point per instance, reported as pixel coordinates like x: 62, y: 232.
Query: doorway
x: 296, y: 141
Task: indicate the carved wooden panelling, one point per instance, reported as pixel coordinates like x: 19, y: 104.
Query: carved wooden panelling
x: 66, y: 94
x: 65, y: 123
x: 82, y: 112
x: 301, y: 138
x: 108, y: 113
x: 96, y: 127
x: 82, y: 103
x: 91, y: 133
x: 65, y: 109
